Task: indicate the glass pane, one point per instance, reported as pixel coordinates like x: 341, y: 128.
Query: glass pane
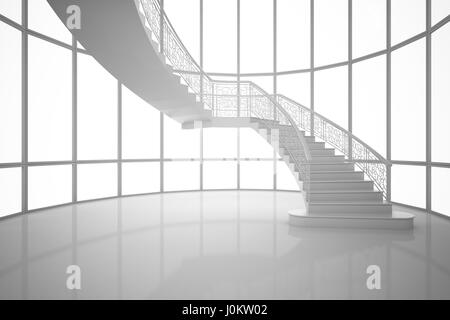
x: 293, y: 34
x: 49, y: 186
x: 296, y: 87
x: 185, y: 18
x: 369, y: 26
x: 180, y: 143
x: 369, y: 102
x: 439, y: 9
x: 10, y: 191
x: 220, y: 35
x: 408, y: 19
x: 256, y: 36
x: 49, y: 102
x: 43, y: 19
x: 11, y: 9
x: 181, y: 175
x: 252, y: 145
x: 257, y: 174
x: 220, y: 175
x: 219, y: 143
x: 97, y: 181
x: 440, y: 189
x: 440, y: 94
x: 10, y: 94
x: 140, y: 127
x: 264, y: 82
x: 285, y: 178
x: 408, y: 185
x: 408, y: 102
x: 140, y: 177
x: 97, y: 108
x: 330, y: 31
x: 331, y: 94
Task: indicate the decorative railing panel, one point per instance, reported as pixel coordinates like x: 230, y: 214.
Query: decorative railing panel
x: 367, y: 159
x: 246, y: 99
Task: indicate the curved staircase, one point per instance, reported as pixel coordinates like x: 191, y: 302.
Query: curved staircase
x: 344, y: 181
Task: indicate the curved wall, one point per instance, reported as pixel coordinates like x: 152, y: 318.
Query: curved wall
x: 70, y: 132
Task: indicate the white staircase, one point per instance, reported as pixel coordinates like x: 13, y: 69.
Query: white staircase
x: 153, y: 62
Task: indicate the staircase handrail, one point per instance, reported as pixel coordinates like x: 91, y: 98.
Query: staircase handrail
x: 374, y: 165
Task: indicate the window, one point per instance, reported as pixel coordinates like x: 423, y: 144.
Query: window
x: 11, y: 9
x: 408, y: 19
x: 185, y: 18
x: 97, y: 108
x: 256, y: 36
x: 296, y: 87
x: 285, y: 179
x: 408, y: 185
x: 49, y: 101
x: 140, y: 128
x: 219, y: 143
x: 439, y: 10
x: 440, y: 189
x: 331, y: 94
x: 408, y: 102
x: 369, y: 26
x: 369, y: 102
x: 140, y: 177
x: 10, y: 94
x: 257, y: 174
x: 440, y: 95
x: 330, y: 31
x: 43, y: 19
x: 97, y: 181
x: 220, y: 35
x: 10, y: 191
x: 252, y: 145
x: 181, y: 175
x: 49, y: 186
x: 293, y: 34
x: 219, y: 175
x: 179, y: 142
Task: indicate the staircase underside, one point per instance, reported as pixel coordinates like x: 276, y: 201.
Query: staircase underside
x: 113, y: 32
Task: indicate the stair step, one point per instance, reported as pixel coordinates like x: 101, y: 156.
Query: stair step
x: 396, y: 221
x: 337, y: 175
x: 344, y: 166
x: 340, y: 185
x: 322, y: 152
x: 345, y: 196
x: 332, y: 208
x: 327, y: 159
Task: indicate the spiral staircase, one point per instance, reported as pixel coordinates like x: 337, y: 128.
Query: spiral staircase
x: 343, y: 180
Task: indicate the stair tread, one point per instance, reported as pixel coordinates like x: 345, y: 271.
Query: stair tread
x: 340, y: 181
x: 337, y: 171
x: 353, y: 203
x: 364, y: 216
x: 344, y: 191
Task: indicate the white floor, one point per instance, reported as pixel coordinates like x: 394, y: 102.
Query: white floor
x: 215, y: 245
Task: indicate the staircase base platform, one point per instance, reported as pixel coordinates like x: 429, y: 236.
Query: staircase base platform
x: 396, y: 221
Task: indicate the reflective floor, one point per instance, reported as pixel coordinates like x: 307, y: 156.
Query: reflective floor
x: 215, y: 245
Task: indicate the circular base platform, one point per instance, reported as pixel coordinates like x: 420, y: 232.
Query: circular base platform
x: 398, y: 220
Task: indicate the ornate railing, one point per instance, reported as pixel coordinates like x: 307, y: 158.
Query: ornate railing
x: 224, y: 98
x: 246, y: 99
x: 366, y: 158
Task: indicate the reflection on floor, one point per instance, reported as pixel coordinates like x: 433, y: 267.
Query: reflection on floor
x: 217, y: 244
